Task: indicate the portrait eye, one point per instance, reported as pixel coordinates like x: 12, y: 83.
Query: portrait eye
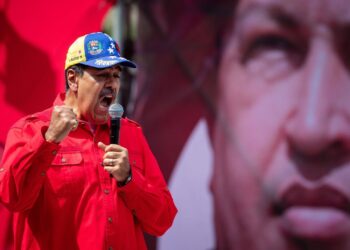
x: 268, y: 43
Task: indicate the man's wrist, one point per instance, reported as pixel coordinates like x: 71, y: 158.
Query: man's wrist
x: 126, y: 181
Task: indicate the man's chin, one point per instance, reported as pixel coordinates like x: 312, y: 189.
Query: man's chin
x: 99, y: 119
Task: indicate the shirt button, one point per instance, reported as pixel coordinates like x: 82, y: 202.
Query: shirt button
x: 110, y: 248
x: 54, y: 152
x: 2, y: 169
x: 63, y: 160
x: 42, y: 173
x: 110, y: 220
x: 106, y: 191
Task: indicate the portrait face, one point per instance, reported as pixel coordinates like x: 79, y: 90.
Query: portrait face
x: 282, y: 137
x: 96, y: 90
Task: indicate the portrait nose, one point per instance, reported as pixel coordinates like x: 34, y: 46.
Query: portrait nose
x: 321, y: 114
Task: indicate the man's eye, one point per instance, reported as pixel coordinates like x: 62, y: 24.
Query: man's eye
x: 268, y: 43
x: 102, y: 76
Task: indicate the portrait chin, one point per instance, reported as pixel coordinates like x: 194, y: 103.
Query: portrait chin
x: 277, y: 208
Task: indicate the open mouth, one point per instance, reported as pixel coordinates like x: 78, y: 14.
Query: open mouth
x: 106, y: 97
x: 106, y: 101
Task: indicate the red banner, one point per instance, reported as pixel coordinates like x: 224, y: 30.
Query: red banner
x: 34, y: 38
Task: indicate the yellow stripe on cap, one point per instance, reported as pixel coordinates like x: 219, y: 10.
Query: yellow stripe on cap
x: 76, y: 53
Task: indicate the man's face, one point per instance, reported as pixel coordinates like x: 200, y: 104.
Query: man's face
x: 97, y: 89
x: 282, y: 139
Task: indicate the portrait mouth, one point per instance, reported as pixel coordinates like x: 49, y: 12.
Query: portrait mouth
x: 320, y: 213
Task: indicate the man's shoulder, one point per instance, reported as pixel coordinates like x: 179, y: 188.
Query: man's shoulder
x: 42, y: 116
x: 130, y: 122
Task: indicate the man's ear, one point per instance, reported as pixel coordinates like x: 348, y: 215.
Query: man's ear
x: 72, y: 78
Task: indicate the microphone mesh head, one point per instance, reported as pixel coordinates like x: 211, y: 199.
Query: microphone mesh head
x: 115, y: 110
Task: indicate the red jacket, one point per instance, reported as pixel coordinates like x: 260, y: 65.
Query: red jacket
x: 64, y: 199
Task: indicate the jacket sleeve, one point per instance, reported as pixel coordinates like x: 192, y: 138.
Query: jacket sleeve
x: 147, y: 195
x: 26, y: 157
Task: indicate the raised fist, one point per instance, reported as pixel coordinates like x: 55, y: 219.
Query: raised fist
x: 63, y: 120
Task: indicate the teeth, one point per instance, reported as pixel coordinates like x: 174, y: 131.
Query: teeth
x: 105, y: 101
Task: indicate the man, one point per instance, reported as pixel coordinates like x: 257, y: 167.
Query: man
x: 282, y: 166
x: 69, y: 187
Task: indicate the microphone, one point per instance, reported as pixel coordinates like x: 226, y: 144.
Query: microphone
x: 115, y: 112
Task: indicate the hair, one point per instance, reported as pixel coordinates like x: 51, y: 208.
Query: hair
x: 222, y: 14
x: 77, y: 68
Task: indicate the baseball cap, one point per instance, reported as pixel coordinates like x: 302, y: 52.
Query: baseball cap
x: 97, y: 50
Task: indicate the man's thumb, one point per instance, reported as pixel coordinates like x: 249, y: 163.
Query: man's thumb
x: 101, y: 145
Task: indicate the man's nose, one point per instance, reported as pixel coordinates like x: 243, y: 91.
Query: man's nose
x: 112, y: 81
x: 322, y: 111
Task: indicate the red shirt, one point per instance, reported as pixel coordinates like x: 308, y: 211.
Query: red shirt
x: 64, y: 199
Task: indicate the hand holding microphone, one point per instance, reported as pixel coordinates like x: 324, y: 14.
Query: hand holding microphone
x: 116, y: 158
x: 116, y: 161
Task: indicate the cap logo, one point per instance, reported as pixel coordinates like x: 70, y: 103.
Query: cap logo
x: 94, y: 47
x: 105, y: 63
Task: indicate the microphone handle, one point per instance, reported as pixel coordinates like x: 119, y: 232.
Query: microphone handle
x: 114, y: 133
